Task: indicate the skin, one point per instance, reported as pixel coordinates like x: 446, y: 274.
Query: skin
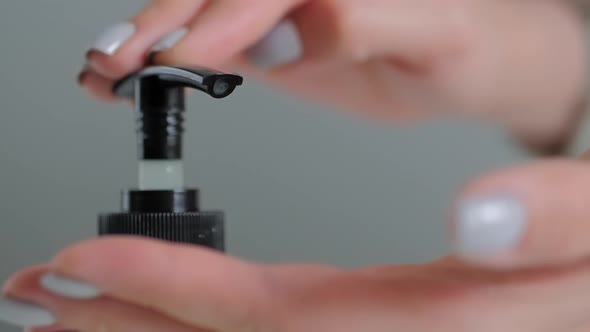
x: 494, y: 59
x: 491, y: 59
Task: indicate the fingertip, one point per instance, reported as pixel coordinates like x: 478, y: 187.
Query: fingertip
x: 492, y: 217
x: 117, y: 66
x: 112, y: 54
x: 524, y: 216
x: 225, y: 30
x: 489, y: 227
x: 111, y: 39
x: 69, y: 258
x: 82, y: 77
x: 25, y: 285
x: 94, y: 60
x: 97, y: 86
x: 125, y: 47
x: 23, y: 278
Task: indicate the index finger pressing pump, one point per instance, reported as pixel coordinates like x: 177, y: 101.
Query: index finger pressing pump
x: 161, y: 207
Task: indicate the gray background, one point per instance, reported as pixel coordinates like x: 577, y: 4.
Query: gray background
x: 297, y: 182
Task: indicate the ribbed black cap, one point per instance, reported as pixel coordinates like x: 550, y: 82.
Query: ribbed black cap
x: 168, y: 215
x: 200, y: 228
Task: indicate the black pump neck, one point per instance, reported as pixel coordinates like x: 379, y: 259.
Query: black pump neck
x: 159, y: 107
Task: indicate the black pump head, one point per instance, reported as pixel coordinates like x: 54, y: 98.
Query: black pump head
x: 159, y: 97
x: 216, y: 84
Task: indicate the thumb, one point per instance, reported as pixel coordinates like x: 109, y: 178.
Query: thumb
x: 529, y: 216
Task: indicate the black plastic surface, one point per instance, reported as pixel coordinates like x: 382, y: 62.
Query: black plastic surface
x: 198, y: 228
x: 169, y: 215
x: 197, y: 78
x: 159, y: 120
x: 159, y: 201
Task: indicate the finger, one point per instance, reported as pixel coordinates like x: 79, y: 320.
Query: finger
x: 532, y: 215
x: 193, y: 285
x: 405, y: 37
x: 97, y: 86
x: 548, y: 298
x: 328, y: 40
x: 582, y: 328
x: 100, y: 314
x: 352, y: 30
x: 402, y: 30
x: 124, y: 48
x: 225, y: 29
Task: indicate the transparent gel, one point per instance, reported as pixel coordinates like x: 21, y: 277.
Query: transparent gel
x: 161, y: 174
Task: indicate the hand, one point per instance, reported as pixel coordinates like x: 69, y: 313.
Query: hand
x: 521, y: 63
x: 520, y: 265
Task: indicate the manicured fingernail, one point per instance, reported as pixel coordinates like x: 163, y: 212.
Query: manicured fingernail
x: 23, y: 314
x: 111, y: 39
x: 170, y: 40
x: 68, y: 287
x: 283, y: 45
x: 489, y: 225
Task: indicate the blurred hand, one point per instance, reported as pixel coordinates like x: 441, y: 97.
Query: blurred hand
x: 521, y: 260
x: 520, y: 265
x: 521, y: 63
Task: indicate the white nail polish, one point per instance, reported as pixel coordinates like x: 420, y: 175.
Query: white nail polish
x: 23, y: 314
x: 69, y: 288
x: 113, y: 38
x: 490, y: 225
x: 170, y: 40
x: 283, y: 45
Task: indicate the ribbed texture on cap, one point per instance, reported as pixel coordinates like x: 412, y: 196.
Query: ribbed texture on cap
x: 201, y: 228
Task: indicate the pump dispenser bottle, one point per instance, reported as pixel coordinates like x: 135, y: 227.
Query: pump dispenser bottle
x: 162, y: 207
